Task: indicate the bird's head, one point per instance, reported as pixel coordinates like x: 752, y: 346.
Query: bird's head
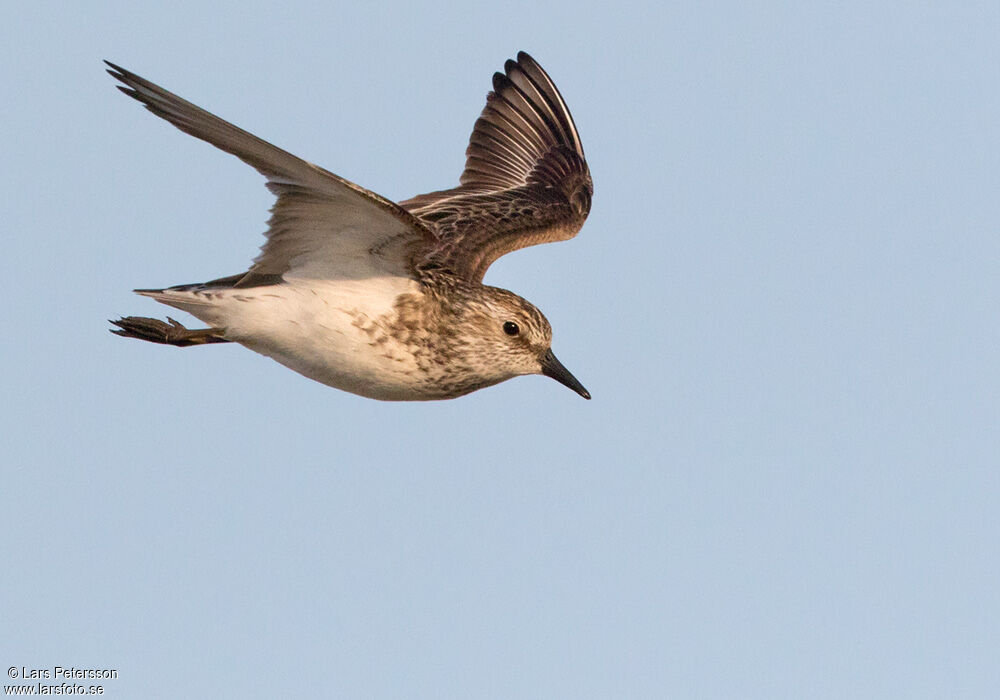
x: 511, y: 337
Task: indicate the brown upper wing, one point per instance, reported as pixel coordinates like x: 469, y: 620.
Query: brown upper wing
x: 526, y: 180
x: 321, y: 225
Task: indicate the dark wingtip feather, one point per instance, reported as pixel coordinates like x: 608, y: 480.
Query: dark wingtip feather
x: 115, y: 71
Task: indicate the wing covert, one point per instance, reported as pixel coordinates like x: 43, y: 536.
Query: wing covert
x: 321, y: 224
x: 525, y: 182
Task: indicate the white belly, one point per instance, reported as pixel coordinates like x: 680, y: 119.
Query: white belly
x: 321, y: 329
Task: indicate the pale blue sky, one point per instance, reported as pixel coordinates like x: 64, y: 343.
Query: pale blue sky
x: 784, y: 303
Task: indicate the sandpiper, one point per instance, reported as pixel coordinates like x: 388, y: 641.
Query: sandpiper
x: 386, y: 300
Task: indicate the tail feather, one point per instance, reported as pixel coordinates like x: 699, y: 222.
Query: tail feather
x: 180, y: 296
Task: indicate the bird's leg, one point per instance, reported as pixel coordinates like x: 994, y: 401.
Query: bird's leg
x: 173, y: 333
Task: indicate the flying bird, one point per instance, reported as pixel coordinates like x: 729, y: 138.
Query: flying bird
x: 381, y: 299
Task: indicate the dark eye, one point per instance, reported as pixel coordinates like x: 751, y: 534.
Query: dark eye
x: 510, y: 328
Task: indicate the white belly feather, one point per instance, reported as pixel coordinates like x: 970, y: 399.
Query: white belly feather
x: 315, y: 327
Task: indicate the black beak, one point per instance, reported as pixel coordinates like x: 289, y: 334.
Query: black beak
x: 551, y: 367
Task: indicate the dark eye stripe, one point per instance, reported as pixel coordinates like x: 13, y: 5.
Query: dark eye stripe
x: 511, y: 328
